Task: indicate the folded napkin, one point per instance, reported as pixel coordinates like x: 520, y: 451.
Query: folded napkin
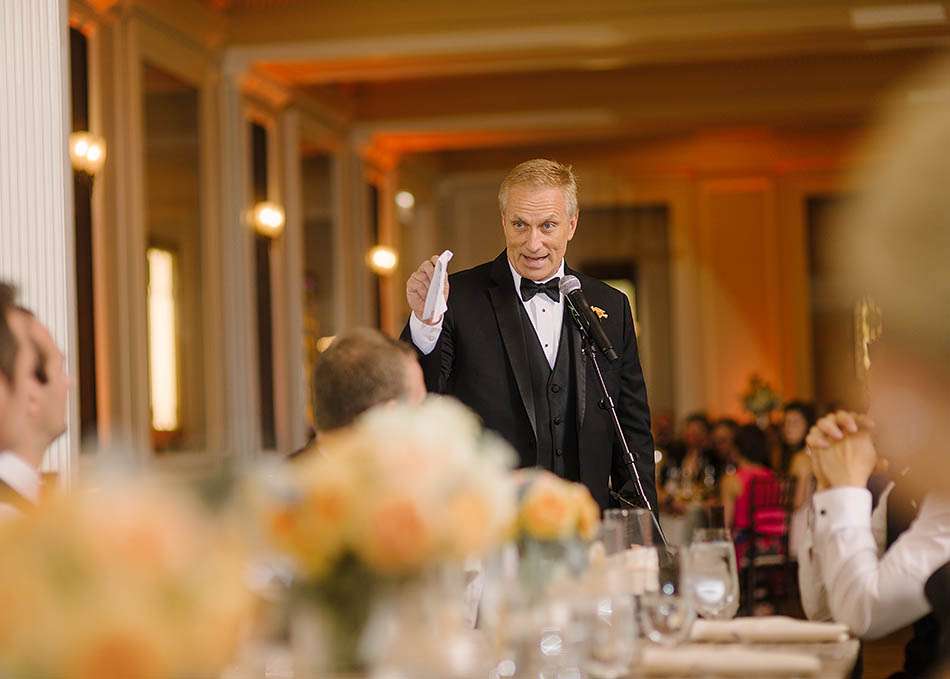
x: 730, y: 662
x: 435, y: 300
x: 774, y: 629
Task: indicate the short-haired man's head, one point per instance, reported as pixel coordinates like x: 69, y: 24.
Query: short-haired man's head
x: 361, y: 369
x: 541, y: 173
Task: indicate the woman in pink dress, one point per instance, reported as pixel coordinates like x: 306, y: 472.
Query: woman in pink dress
x: 751, y: 462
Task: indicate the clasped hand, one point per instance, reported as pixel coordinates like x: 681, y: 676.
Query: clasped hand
x: 841, y: 450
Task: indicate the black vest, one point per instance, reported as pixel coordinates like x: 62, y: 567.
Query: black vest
x: 555, y: 401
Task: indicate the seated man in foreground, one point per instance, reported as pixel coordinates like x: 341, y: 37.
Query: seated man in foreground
x: 895, y: 249
x: 33, y: 391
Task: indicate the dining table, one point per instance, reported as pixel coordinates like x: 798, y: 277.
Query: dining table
x: 835, y: 661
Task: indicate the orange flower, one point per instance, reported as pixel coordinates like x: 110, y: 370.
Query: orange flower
x: 397, y: 537
x: 470, y: 523
x: 548, y: 511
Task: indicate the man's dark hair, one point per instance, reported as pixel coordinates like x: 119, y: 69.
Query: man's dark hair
x: 753, y: 444
x: 8, y: 341
x: 361, y: 369
x: 726, y: 422
x: 700, y: 417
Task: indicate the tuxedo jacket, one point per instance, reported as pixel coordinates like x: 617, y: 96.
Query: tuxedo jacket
x: 481, y: 358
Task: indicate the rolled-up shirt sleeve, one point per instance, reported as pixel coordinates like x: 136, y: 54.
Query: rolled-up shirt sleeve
x: 875, y: 596
x: 425, y: 337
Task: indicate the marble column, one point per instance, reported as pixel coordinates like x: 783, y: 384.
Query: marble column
x: 36, y: 213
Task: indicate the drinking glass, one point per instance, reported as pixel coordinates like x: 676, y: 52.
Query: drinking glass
x: 637, y: 525
x: 667, y: 615
x: 611, y: 630
x: 713, y: 575
x: 612, y: 534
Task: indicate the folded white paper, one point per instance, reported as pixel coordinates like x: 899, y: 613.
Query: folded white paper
x: 773, y: 629
x: 731, y: 662
x: 435, y: 301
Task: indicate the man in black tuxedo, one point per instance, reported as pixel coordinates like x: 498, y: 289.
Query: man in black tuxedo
x: 507, y: 347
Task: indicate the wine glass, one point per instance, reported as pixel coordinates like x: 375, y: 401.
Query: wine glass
x: 667, y: 615
x: 713, y: 575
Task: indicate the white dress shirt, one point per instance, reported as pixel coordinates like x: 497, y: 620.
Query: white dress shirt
x: 546, y: 316
x: 846, y: 575
x: 22, y: 478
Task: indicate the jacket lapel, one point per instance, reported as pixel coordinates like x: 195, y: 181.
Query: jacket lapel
x: 580, y: 361
x: 505, y: 303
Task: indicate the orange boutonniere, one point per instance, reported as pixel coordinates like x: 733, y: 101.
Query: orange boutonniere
x: 601, y: 314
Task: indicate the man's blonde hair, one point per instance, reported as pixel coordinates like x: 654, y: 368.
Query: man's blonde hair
x: 541, y: 173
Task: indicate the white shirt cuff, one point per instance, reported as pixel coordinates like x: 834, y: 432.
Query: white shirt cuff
x: 840, y: 508
x: 425, y: 337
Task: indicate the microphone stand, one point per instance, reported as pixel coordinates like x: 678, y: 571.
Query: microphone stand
x: 588, y: 349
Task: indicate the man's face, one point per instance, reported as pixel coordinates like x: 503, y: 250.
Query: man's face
x: 415, y: 383
x: 17, y: 397
x: 537, y: 230
x: 50, y: 415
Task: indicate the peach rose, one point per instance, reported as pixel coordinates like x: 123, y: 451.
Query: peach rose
x: 397, y: 536
x: 548, y: 511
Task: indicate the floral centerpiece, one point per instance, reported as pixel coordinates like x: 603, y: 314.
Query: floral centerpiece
x: 555, y: 520
x: 402, y: 493
x: 760, y: 399
x: 126, y: 581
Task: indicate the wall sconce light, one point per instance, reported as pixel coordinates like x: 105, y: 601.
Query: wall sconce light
x: 405, y: 200
x: 382, y: 259
x: 268, y: 218
x: 87, y: 152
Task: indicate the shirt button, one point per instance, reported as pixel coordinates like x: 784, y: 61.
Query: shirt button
x: 558, y: 452
x: 558, y: 420
x: 555, y: 388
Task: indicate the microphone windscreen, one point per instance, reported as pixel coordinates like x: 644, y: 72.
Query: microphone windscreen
x: 568, y: 285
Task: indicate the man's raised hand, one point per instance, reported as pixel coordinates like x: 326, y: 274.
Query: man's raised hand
x: 417, y: 287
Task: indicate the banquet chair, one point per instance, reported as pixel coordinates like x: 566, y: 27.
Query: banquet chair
x: 771, y: 504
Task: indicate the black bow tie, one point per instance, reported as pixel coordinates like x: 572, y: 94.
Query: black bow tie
x: 529, y: 289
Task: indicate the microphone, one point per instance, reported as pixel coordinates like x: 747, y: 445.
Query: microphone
x: 570, y: 287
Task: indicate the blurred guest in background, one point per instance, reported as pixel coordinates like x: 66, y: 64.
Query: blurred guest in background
x: 895, y: 249
x: 361, y: 369
x: 689, y: 477
x: 752, y: 460
x: 723, y: 440
x: 691, y: 460
x: 798, y: 419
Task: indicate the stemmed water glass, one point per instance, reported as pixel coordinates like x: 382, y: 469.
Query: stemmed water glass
x: 713, y: 575
x: 667, y: 615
